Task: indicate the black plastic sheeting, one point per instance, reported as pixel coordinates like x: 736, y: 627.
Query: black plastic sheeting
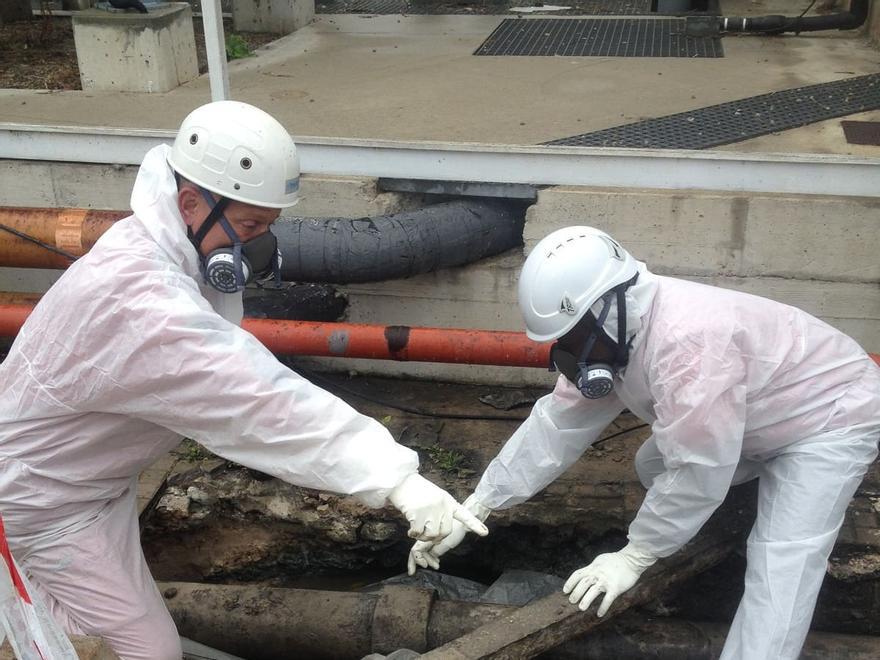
x: 345, y: 250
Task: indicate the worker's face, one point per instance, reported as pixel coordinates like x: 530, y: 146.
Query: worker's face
x: 247, y: 220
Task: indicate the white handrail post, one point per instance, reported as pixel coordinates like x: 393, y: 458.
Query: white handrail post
x: 215, y: 46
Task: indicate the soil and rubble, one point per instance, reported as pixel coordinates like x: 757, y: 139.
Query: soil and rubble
x: 220, y: 522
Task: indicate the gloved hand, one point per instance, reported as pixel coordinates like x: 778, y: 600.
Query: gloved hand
x: 430, y: 510
x: 427, y: 553
x: 611, y: 573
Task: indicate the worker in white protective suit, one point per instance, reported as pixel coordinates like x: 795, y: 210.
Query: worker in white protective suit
x: 734, y: 387
x: 138, y: 344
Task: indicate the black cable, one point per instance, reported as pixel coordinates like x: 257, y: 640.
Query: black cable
x: 36, y: 240
x: 809, y: 7
x: 804, y: 13
x: 614, y: 435
x: 311, y: 375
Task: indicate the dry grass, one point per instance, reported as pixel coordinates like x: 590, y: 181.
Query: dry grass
x: 40, y: 54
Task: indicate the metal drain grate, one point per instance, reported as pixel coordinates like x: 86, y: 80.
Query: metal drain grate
x: 581, y: 7
x: 598, y: 37
x: 736, y: 121
x: 361, y: 7
x: 862, y: 132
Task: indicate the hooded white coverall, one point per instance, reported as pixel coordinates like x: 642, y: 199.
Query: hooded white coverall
x: 128, y: 352
x: 727, y: 380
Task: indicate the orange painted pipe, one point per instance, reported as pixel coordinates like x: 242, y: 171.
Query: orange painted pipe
x: 389, y: 342
x: 72, y: 230
x: 399, y: 342
x: 393, y: 342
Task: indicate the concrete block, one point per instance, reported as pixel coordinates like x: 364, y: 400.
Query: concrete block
x: 874, y: 23
x: 349, y: 197
x: 55, y: 184
x: 275, y: 16
x: 828, y: 238
x: 705, y: 233
x: 131, y: 52
x: 690, y: 232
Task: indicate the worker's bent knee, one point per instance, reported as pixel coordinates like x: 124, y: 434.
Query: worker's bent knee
x: 156, y: 639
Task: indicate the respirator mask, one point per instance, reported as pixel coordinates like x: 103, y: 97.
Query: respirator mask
x: 595, y: 379
x: 229, y: 268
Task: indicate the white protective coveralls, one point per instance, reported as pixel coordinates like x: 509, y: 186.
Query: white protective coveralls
x: 726, y: 380
x: 128, y: 352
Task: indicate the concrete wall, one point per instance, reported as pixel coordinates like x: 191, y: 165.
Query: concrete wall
x: 874, y: 22
x: 276, y: 16
x: 817, y: 253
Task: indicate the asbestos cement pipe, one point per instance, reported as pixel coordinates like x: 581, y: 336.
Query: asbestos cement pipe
x: 262, y: 622
x: 378, y: 342
x: 74, y: 231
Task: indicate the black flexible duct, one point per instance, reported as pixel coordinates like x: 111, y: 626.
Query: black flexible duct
x: 715, y: 25
x: 344, y: 250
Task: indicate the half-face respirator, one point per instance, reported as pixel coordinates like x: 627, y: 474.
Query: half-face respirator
x: 595, y: 379
x: 229, y: 268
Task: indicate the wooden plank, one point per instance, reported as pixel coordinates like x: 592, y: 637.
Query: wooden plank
x: 542, y: 625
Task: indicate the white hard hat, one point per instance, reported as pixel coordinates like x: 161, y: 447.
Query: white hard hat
x: 240, y: 152
x: 565, y: 274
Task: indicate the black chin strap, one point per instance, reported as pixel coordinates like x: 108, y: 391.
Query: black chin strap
x: 622, y: 358
x: 216, y: 212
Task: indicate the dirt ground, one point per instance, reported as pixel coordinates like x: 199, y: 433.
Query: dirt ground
x: 40, y: 54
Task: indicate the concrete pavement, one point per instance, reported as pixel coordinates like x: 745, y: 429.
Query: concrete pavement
x: 415, y: 78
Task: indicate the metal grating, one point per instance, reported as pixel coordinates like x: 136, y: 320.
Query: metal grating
x: 581, y: 7
x: 361, y: 7
x: 740, y: 120
x: 598, y: 37
x: 862, y: 132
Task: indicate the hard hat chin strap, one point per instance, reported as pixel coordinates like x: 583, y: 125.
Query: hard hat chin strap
x: 596, y: 379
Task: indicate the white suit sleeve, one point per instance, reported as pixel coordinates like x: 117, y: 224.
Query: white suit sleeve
x: 700, y: 408
x: 561, y: 426
x: 183, y: 367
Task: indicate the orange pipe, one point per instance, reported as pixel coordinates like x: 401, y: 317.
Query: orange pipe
x: 390, y: 342
x: 73, y: 230
x: 399, y: 342
x: 393, y: 342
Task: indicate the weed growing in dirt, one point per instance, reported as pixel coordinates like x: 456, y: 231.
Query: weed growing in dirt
x: 447, y: 460
x: 192, y: 451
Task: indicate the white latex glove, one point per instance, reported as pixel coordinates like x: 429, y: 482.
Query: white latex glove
x: 430, y: 510
x: 611, y: 573
x: 427, y: 553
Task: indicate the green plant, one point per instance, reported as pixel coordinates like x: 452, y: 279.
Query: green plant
x: 192, y: 452
x: 447, y: 460
x: 236, y: 47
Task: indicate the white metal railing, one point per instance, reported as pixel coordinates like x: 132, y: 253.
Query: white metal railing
x: 816, y: 174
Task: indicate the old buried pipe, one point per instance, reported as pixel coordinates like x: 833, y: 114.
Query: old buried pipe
x: 392, y: 342
x: 378, y: 342
x: 266, y: 622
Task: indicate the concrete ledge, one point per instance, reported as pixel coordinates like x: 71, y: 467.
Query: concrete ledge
x: 132, y: 52
x: 705, y: 233
x: 57, y: 184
